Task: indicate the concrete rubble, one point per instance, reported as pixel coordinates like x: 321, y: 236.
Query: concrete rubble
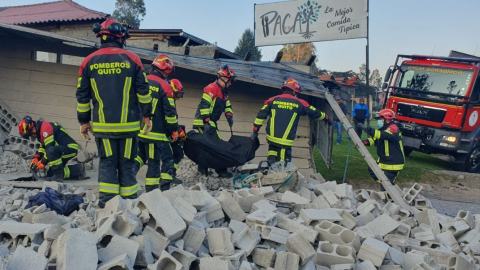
x: 318, y: 226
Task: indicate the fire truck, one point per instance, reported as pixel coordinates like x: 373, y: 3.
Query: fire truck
x: 437, y: 103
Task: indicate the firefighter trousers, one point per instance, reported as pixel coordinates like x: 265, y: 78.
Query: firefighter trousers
x: 277, y: 153
x: 153, y: 153
x: 58, y: 156
x: 177, y: 153
x: 116, y: 172
x: 391, y: 176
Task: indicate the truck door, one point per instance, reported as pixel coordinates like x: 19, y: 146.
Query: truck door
x: 472, y: 120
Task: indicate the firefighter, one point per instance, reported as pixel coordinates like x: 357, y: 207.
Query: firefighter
x: 215, y: 102
x: 388, y: 140
x: 57, y: 148
x: 155, y: 146
x: 115, y: 81
x: 284, y: 111
x: 177, y: 148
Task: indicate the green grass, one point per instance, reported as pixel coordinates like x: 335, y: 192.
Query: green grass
x: 417, y: 164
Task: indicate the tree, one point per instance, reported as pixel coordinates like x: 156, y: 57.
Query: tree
x: 298, y: 53
x: 344, y: 74
x: 247, y: 44
x: 374, y: 77
x: 362, y: 75
x: 130, y: 11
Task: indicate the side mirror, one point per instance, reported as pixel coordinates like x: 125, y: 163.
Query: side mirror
x: 384, y: 86
x: 387, y: 75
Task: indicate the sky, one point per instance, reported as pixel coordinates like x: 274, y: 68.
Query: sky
x: 396, y: 27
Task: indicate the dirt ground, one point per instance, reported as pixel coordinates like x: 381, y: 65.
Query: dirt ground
x: 442, y: 185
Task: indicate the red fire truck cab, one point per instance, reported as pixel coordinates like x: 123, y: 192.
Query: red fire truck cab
x: 437, y: 103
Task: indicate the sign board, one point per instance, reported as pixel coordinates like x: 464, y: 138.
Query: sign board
x: 302, y: 21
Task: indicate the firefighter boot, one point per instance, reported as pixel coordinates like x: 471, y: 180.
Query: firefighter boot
x: 75, y: 172
x: 224, y: 173
x: 203, y: 170
x: 56, y: 177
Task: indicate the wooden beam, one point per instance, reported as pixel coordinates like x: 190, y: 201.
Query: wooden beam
x: 391, y: 190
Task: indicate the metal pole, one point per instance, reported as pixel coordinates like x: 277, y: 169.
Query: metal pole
x: 367, y: 55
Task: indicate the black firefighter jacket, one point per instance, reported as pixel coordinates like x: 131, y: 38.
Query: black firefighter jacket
x: 115, y: 81
x: 285, y: 111
x: 164, y: 112
x: 388, y: 140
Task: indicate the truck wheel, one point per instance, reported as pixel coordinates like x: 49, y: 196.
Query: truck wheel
x: 469, y: 162
x: 407, y: 151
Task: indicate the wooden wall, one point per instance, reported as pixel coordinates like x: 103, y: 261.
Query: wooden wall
x: 47, y: 90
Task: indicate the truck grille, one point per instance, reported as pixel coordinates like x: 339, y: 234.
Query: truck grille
x: 421, y: 112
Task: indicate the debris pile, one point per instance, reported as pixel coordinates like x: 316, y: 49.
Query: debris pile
x: 321, y: 226
x: 12, y: 163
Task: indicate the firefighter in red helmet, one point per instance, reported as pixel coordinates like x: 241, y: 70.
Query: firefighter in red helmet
x: 177, y: 148
x: 155, y: 145
x: 213, y: 104
x: 388, y: 140
x: 56, y: 149
x: 114, y: 81
x: 283, y: 113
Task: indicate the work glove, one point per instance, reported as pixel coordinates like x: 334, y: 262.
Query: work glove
x: 40, y: 166
x: 254, y: 134
x: 34, y: 162
x: 366, y: 142
x: 206, y: 127
x: 327, y: 120
x: 84, y: 129
x: 174, y: 136
x: 146, y: 122
x: 370, y: 131
x: 229, y: 119
x: 181, y: 134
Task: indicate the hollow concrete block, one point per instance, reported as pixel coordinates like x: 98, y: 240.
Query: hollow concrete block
x: 297, y: 244
x: 184, y: 257
x: 247, y: 197
x: 76, y: 249
x: 158, y: 242
x: 264, y: 257
x: 212, y: 207
x: 321, y: 202
x: 412, y: 193
x: 231, y: 207
x: 337, y: 234
x: 215, y: 263
x: 429, y: 217
x: 329, y: 254
x: 26, y: 258
x: 447, y: 239
x: 459, y: 263
x: 262, y: 217
x: 219, y: 242
x: 194, y: 197
x: 273, y: 234
x: 348, y: 221
x: 373, y: 250
x: 123, y: 225
x: 457, y: 227
x: 184, y: 209
x: 287, y: 261
x: 264, y: 205
x: 118, y: 246
x: 467, y: 216
x: 164, y: 217
x: 166, y: 261
x: 194, y: 237
x: 242, y: 237
x: 315, y: 215
x: 383, y: 225
x: 290, y: 225
x: 144, y: 254
x: 121, y: 262
x: 291, y: 197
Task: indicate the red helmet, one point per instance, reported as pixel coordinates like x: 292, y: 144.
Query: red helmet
x: 164, y: 63
x: 111, y: 27
x: 25, y: 127
x: 227, y: 72
x: 388, y: 114
x: 177, y: 88
x: 292, y: 84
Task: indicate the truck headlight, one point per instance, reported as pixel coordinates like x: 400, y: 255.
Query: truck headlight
x: 450, y: 139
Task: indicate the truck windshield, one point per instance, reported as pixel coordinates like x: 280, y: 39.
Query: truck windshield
x: 435, y: 79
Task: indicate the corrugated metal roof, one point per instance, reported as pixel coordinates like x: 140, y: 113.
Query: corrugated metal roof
x: 262, y: 73
x: 59, y: 11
